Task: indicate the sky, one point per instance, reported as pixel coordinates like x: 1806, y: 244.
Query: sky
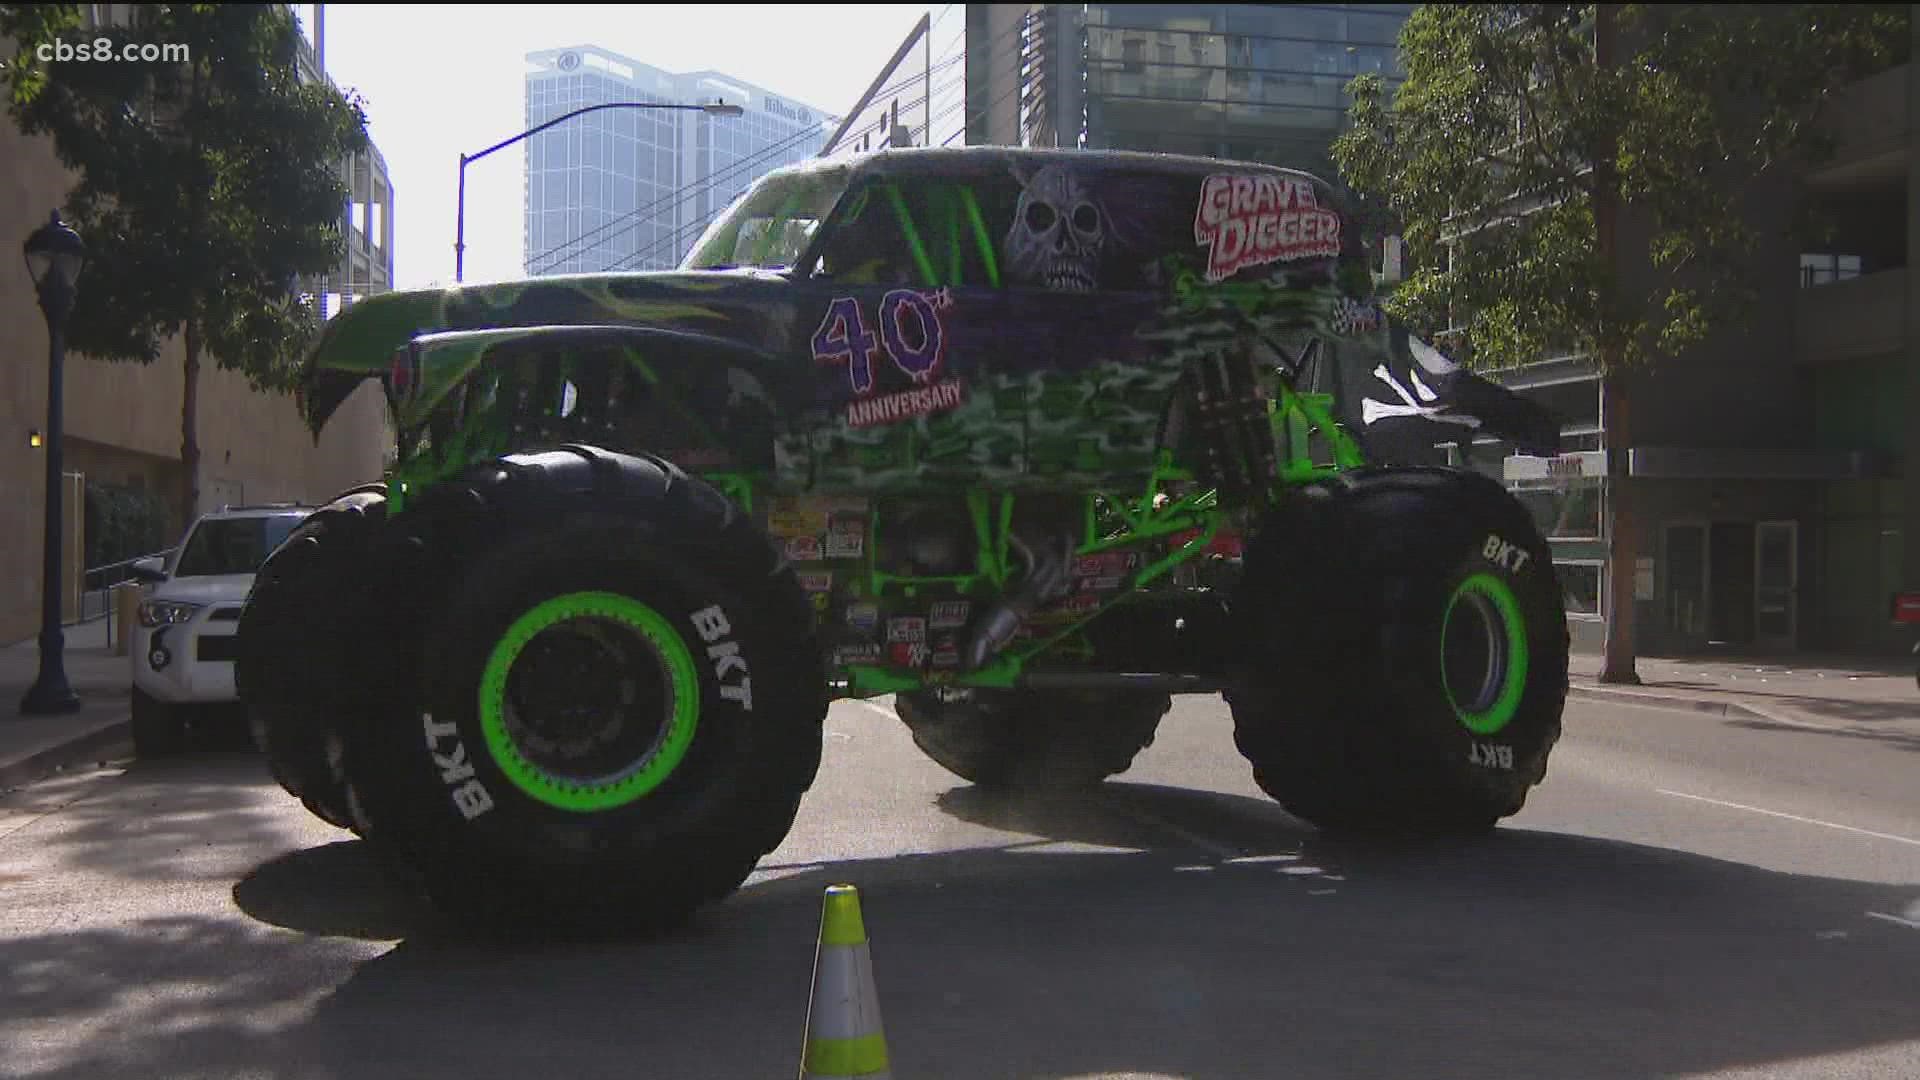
x: 440, y: 82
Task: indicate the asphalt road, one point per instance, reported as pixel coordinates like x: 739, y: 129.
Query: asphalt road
x: 1686, y: 896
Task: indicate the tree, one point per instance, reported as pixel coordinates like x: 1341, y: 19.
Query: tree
x: 209, y: 187
x: 1522, y: 134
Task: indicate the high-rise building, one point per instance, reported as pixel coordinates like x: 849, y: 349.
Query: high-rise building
x: 1251, y: 82
x: 633, y: 188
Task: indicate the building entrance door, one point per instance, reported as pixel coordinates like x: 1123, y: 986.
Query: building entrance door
x: 1776, y: 581
x: 1730, y: 558
x: 1686, y: 598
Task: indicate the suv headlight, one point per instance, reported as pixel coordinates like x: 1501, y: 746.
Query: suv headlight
x: 165, y: 612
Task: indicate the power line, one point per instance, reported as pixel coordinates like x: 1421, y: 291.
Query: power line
x: 1016, y: 87
x: 1024, y: 25
x: 727, y: 173
x: 691, y: 230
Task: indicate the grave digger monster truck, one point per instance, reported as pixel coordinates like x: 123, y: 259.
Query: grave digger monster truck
x: 1029, y: 439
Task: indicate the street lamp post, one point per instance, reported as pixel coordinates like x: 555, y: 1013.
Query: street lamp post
x: 54, y: 258
x: 712, y: 108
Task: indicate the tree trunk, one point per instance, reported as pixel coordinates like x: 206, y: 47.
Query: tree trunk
x: 1617, y: 663
x: 189, y: 411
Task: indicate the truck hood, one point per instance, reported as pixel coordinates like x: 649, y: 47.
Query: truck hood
x: 369, y: 339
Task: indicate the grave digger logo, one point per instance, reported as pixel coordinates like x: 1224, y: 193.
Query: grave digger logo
x: 1252, y: 220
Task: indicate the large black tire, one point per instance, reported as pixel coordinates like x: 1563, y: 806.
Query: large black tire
x: 496, y: 827
x: 315, y: 625
x: 1033, y: 740
x: 1371, y: 602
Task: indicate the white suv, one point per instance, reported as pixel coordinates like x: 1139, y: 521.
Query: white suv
x: 182, y: 647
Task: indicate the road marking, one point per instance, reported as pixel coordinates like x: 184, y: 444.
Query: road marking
x: 1793, y: 817
x: 1908, y: 923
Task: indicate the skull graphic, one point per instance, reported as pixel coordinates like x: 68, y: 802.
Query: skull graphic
x: 1059, y: 231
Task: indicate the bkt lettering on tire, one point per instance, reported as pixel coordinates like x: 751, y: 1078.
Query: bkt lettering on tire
x: 469, y: 795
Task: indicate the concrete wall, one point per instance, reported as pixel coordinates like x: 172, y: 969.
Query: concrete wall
x: 123, y: 420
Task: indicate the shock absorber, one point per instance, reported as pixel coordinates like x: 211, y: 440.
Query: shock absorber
x: 1229, y: 417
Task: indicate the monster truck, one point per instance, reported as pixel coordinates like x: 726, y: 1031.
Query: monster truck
x: 1030, y: 440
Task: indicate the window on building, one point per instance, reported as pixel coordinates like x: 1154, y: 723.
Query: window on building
x: 1582, y: 586
x: 1827, y: 269
x: 1564, y: 510
x: 1133, y: 52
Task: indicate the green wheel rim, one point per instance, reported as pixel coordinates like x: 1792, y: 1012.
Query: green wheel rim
x: 642, y: 776
x: 1504, y: 681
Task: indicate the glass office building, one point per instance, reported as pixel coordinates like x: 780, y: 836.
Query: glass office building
x: 1255, y: 82
x: 632, y: 189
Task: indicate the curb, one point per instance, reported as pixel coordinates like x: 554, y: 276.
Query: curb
x: 1665, y: 701
x: 86, y: 748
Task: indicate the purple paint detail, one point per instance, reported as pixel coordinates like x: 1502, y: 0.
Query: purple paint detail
x: 920, y: 362
x: 843, y: 338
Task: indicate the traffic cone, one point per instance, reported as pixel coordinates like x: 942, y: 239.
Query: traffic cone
x: 844, y: 1038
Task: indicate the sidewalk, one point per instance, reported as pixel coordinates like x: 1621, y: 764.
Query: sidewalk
x: 1874, y: 697
x: 32, y: 747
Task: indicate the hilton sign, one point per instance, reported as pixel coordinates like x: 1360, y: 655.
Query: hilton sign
x: 787, y: 112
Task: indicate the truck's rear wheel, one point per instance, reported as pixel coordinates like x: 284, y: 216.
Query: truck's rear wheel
x: 620, y: 699
x: 1406, y: 653
x: 1029, y: 739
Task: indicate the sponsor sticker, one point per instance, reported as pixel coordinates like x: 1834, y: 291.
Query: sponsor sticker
x: 816, y: 581
x: 1106, y: 563
x: 909, y: 654
x: 803, y: 548
x: 907, y: 629
x: 796, y: 521
x: 869, y: 653
x: 847, y: 541
x: 864, y: 618
x: 948, y: 615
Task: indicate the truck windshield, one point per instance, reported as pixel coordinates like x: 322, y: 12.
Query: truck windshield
x: 771, y: 225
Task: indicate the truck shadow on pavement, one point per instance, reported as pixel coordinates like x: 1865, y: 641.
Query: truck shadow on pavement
x: 1140, y: 931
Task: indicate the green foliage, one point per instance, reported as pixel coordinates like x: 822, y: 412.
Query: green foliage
x: 1506, y: 135
x: 206, y: 189
x: 123, y: 522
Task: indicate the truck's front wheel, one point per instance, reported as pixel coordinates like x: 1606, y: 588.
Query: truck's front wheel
x: 620, y: 701
x: 1405, y: 661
